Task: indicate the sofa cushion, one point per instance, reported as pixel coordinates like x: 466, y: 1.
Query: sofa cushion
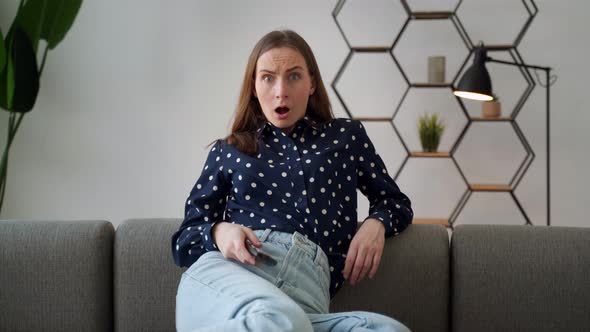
x: 145, y: 277
x: 520, y: 278
x: 56, y: 275
x: 412, y: 284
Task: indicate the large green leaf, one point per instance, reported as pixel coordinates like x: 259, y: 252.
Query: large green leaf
x: 30, y: 17
x: 59, y: 17
x: 23, y: 62
x: 2, y: 52
x: 7, y: 77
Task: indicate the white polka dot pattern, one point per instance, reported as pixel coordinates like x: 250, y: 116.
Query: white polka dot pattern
x: 306, y: 182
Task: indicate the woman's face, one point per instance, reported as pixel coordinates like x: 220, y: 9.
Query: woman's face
x: 283, y: 86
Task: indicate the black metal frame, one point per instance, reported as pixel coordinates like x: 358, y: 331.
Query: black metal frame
x: 518, y: 62
x: 521, y: 171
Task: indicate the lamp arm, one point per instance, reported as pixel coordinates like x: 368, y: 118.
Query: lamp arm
x: 488, y: 59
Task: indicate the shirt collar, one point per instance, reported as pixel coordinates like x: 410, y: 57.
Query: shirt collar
x: 269, y: 129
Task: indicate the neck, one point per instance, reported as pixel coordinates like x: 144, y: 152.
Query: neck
x: 287, y: 131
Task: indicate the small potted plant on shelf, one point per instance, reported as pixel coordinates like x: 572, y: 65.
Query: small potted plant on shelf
x: 492, y: 108
x: 430, y: 128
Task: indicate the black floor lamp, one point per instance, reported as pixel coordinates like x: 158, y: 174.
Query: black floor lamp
x: 476, y: 84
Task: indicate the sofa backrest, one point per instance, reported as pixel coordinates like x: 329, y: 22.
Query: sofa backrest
x: 56, y: 275
x: 520, y: 278
x: 84, y: 276
x: 145, y: 277
x: 411, y: 286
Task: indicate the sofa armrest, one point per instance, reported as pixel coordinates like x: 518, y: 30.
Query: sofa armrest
x: 520, y: 278
x: 56, y: 275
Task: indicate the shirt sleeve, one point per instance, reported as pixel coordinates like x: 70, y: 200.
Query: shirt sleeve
x: 387, y: 203
x: 204, y: 206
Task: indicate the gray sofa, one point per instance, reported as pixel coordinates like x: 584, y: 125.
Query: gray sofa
x: 85, y: 276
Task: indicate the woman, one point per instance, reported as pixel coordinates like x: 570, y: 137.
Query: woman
x: 270, y: 230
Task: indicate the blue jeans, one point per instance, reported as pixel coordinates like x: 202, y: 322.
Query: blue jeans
x: 216, y: 294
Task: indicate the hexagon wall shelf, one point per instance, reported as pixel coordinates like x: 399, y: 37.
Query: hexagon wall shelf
x: 376, y: 63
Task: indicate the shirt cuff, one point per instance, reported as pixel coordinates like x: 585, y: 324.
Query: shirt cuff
x: 208, y: 238
x: 384, y: 218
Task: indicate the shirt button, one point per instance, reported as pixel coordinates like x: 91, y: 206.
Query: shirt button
x: 300, y: 200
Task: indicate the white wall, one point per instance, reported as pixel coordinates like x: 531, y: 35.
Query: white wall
x: 137, y: 89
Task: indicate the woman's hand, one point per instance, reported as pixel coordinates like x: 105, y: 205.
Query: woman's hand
x: 231, y: 241
x: 364, y: 253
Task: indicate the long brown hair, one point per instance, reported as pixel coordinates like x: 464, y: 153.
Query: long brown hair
x: 249, y: 116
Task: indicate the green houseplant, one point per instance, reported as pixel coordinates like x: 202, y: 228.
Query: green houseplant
x: 35, y: 20
x: 430, y: 128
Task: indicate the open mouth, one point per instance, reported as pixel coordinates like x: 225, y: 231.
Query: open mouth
x: 282, y: 110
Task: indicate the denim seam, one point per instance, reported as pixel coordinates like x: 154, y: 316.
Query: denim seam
x: 305, y: 245
x: 284, y: 267
x: 211, y: 288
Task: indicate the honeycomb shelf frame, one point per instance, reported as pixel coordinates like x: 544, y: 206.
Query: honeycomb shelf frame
x: 511, y: 49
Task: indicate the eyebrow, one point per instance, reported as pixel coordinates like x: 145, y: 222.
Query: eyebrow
x: 288, y: 70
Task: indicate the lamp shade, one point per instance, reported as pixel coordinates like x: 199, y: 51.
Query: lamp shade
x: 476, y: 83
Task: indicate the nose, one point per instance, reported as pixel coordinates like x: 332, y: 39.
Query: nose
x: 281, y: 90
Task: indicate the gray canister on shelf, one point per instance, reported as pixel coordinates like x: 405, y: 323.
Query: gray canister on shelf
x: 436, y: 69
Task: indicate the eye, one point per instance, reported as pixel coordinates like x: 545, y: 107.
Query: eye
x: 266, y: 78
x: 294, y: 76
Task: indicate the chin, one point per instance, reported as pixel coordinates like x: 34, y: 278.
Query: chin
x: 284, y: 124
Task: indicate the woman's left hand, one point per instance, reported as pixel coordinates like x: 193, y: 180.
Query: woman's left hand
x: 364, y: 253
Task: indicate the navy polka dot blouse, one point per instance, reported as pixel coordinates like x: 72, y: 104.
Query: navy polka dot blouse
x: 306, y: 182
